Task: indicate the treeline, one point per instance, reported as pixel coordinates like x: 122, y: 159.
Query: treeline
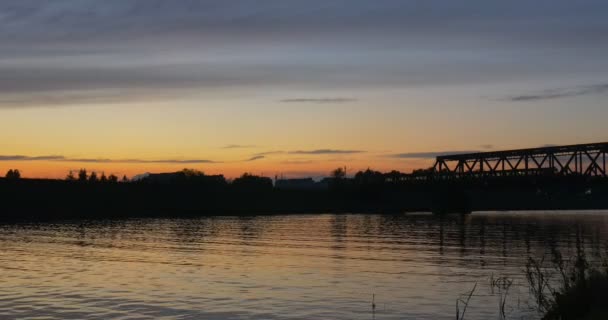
x: 192, y: 176
x: 84, y: 176
x: 191, y: 192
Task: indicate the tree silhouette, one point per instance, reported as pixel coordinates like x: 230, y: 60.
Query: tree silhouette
x: 103, y: 177
x: 82, y: 175
x: 422, y: 171
x: 191, y: 173
x: 125, y: 179
x: 93, y: 177
x: 252, y: 182
x: 70, y: 176
x: 13, y: 174
x: 112, y: 178
x: 338, y: 174
x: 368, y: 177
x: 394, y: 176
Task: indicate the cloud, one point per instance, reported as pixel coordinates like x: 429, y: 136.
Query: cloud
x: 176, y: 161
x: 319, y: 100
x: 26, y: 158
x: 305, y: 152
x: 487, y: 146
x: 297, y: 162
x: 101, y: 160
x: 325, y: 151
x: 433, y: 154
x: 428, y: 155
x: 238, y: 146
x: 560, y: 93
x: 268, y: 153
x: 254, y: 158
x: 67, y: 52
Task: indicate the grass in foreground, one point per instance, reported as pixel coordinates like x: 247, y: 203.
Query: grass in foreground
x: 581, y: 292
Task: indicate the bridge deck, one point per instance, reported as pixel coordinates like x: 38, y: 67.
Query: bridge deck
x: 581, y: 159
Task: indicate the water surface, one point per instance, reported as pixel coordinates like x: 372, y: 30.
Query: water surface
x: 281, y: 266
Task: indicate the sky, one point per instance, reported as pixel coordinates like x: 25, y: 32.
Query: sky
x: 293, y: 88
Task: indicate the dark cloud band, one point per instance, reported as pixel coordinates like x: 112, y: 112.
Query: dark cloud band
x: 561, y: 93
x: 65, y: 52
x: 319, y: 100
x: 238, y: 146
x: 102, y: 160
x: 325, y: 151
x: 254, y: 158
x: 428, y: 155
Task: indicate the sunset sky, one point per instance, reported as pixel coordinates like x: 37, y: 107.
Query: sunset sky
x: 293, y: 87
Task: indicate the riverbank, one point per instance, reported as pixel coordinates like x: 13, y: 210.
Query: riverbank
x: 50, y: 199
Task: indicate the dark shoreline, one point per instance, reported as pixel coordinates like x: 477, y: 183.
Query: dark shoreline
x: 40, y: 199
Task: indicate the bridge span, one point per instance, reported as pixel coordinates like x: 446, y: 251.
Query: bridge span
x: 570, y: 160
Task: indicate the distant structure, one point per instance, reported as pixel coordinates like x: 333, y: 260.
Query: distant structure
x: 299, y: 184
x: 181, y: 176
x: 572, y: 160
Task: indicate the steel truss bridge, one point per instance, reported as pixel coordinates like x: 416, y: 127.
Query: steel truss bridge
x: 572, y: 160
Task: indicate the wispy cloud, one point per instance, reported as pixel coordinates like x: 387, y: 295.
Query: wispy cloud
x: 319, y: 100
x: 238, y: 146
x: 560, y: 93
x: 433, y: 154
x: 26, y: 158
x: 297, y: 162
x: 309, y: 152
x: 55, y: 52
x: 428, y: 155
x: 100, y: 160
x: 268, y: 153
x: 176, y: 161
x: 254, y: 158
x: 325, y: 151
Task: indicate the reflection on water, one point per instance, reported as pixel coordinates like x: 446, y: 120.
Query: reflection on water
x: 279, y: 267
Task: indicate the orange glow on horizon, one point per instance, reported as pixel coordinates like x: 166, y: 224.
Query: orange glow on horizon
x: 60, y: 169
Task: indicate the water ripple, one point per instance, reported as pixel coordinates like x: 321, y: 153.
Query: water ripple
x: 277, y: 267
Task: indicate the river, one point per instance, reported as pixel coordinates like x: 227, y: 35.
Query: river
x: 320, y: 266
